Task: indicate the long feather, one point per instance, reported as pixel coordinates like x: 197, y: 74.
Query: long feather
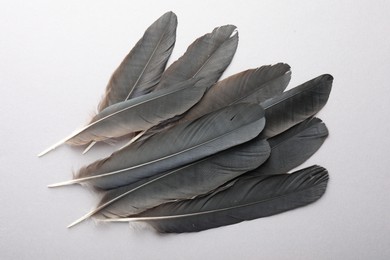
x: 250, y: 197
x: 288, y: 150
x: 293, y: 147
x: 207, y: 57
x: 142, y: 68
x: 189, y: 181
x: 183, y: 144
x: 252, y: 86
x: 296, y: 105
x: 138, y: 114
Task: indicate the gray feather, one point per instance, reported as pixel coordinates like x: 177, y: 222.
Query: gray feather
x: 250, y: 197
x: 296, y: 105
x: 142, y: 68
x: 250, y: 86
x: 187, y: 182
x: 182, y: 144
x: 293, y: 147
x: 207, y: 58
x: 140, y: 113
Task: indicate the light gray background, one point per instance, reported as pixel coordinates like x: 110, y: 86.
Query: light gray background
x: 55, y: 60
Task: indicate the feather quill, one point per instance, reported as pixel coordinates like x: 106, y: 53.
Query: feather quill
x: 138, y: 114
x: 182, y: 144
x: 287, y: 151
x: 250, y: 197
x: 296, y: 105
x: 140, y: 71
x: 186, y: 182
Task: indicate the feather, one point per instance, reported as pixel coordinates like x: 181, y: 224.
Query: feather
x: 290, y: 149
x: 182, y: 144
x: 250, y: 197
x: 189, y: 181
x: 140, y: 71
x: 293, y: 147
x: 296, y: 105
x: 142, y: 68
x: 250, y: 86
x: 138, y: 114
x: 207, y: 57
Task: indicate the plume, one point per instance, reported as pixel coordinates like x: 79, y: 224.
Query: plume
x: 182, y: 144
x: 252, y: 86
x: 293, y: 147
x: 286, y: 151
x: 250, y: 197
x: 142, y: 68
x: 207, y: 57
x: 186, y: 182
x: 138, y: 74
x: 296, y: 105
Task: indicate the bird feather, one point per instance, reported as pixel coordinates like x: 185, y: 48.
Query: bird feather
x: 138, y: 114
x: 250, y: 197
x: 296, y: 105
x: 186, y: 182
x: 142, y: 68
x: 293, y: 147
x: 207, y: 57
x: 182, y: 144
x: 251, y: 86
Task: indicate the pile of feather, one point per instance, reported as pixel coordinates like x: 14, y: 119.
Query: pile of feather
x: 202, y: 153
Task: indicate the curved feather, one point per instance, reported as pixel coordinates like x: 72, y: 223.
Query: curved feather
x: 137, y: 114
x: 207, y: 57
x: 250, y: 86
x: 187, y: 182
x: 296, y: 105
x: 293, y: 147
x: 140, y: 113
x: 182, y: 144
x: 142, y: 68
x: 250, y: 197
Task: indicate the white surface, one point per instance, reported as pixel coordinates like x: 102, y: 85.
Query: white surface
x: 55, y: 60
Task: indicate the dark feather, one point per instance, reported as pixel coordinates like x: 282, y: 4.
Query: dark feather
x: 250, y: 86
x: 250, y: 197
x: 296, y: 105
x: 207, y: 58
x: 293, y: 147
x: 142, y: 68
x: 182, y: 144
x: 187, y: 182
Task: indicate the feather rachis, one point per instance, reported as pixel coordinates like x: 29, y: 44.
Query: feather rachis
x: 235, y: 124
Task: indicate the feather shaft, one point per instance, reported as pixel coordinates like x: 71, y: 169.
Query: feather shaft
x: 220, y: 130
